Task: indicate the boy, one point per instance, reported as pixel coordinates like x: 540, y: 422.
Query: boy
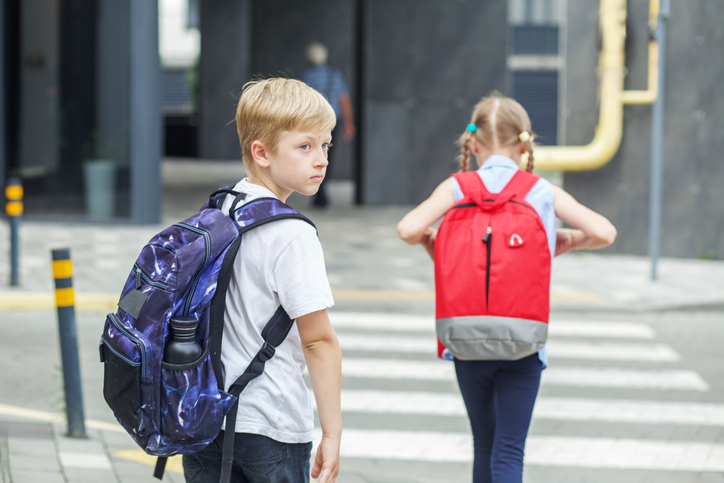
x: 284, y: 130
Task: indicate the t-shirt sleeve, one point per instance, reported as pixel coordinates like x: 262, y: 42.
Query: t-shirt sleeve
x: 301, y: 276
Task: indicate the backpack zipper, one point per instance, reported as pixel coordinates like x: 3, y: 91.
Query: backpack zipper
x: 207, y: 258
x: 486, y: 240
x: 146, y: 278
x: 141, y: 348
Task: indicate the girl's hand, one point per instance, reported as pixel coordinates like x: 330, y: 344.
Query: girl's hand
x: 428, y: 241
x: 564, y: 240
x: 591, y: 230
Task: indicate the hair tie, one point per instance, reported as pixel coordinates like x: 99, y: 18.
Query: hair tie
x: 524, y: 136
x: 472, y: 128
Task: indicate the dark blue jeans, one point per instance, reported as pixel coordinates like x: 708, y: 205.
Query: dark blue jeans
x: 257, y: 459
x: 499, y: 397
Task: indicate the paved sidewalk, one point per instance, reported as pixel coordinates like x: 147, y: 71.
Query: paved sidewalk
x: 369, y: 269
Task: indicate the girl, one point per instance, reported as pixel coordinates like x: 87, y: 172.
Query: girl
x: 499, y: 394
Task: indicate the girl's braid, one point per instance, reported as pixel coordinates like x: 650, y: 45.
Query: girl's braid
x: 465, y: 151
x: 529, y: 146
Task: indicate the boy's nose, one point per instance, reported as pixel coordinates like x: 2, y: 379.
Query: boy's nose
x: 322, y: 160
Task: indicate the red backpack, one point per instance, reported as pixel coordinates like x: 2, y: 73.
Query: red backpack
x: 492, y: 273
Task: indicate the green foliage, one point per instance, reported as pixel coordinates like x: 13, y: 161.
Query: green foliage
x: 57, y: 393
x: 707, y: 255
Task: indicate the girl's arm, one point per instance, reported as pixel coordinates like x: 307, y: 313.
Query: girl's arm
x: 414, y: 228
x: 324, y: 362
x: 590, y: 229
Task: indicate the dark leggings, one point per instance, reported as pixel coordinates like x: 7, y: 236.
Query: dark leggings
x: 499, y: 397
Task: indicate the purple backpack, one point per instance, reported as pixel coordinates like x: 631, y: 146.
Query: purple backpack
x: 168, y: 408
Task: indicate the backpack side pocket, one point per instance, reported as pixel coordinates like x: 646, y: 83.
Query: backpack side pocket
x: 192, y: 406
x: 124, y: 358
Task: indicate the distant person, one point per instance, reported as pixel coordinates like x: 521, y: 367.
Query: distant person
x: 284, y: 130
x: 330, y: 82
x: 491, y: 314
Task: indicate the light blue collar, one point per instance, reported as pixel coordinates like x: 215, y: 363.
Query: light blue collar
x: 499, y: 160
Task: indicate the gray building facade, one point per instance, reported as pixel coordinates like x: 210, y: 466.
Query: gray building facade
x: 693, y: 172
x: 81, y: 117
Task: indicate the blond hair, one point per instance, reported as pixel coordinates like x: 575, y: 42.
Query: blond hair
x: 499, y: 121
x: 270, y: 107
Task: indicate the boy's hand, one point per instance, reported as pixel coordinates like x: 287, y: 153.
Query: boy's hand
x: 326, y: 463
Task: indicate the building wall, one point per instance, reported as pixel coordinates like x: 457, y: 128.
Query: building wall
x: 426, y: 63
x: 224, y: 67
x: 282, y: 31
x: 693, y: 174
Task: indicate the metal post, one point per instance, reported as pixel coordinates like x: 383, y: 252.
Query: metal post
x: 657, y: 136
x: 65, y: 301
x: 3, y: 110
x: 14, y: 210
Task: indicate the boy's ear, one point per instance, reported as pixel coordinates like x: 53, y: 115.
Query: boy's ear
x: 259, y: 154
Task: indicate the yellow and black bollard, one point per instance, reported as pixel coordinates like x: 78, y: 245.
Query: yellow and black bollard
x: 65, y: 301
x: 14, y: 210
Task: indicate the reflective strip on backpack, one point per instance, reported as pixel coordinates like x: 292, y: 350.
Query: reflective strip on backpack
x: 482, y: 337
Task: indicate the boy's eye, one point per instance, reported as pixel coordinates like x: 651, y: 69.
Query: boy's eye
x: 305, y: 146
x: 327, y: 145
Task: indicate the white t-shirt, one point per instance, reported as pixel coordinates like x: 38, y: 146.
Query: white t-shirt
x: 278, y: 263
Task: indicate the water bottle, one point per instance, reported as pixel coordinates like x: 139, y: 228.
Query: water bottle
x: 182, y: 348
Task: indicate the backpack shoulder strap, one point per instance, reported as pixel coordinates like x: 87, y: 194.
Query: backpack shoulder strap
x: 274, y: 333
x: 264, y: 210
x: 248, y: 216
x: 470, y: 182
x: 520, y: 184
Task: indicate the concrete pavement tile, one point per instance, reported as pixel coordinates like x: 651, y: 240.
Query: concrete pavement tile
x: 78, y: 445
x: 30, y: 447
x: 79, y: 475
x: 29, y: 430
x: 131, y: 472
x: 94, y: 461
x: 26, y: 476
x: 40, y: 463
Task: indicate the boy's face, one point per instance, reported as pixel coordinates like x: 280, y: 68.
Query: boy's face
x: 299, y: 163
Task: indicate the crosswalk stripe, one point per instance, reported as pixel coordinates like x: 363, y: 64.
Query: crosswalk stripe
x: 625, y: 330
x: 563, y: 349
x: 629, y: 378
x: 634, y: 411
x: 566, y: 409
x: 566, y: 376
x: 420, y: 323
x: 624, y: 453
x: 611, y: 351
x: 557, y: 451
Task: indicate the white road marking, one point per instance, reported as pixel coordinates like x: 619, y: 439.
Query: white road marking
x: 562, y: 376
x: 611, y: 351
x: 628, y: 378
x: 558, y: 451
x: 562, y: 349
x: 565, y: 409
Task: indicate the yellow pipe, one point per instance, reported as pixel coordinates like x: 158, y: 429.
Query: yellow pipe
x: 652, y: 91
x: 608, y: 133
